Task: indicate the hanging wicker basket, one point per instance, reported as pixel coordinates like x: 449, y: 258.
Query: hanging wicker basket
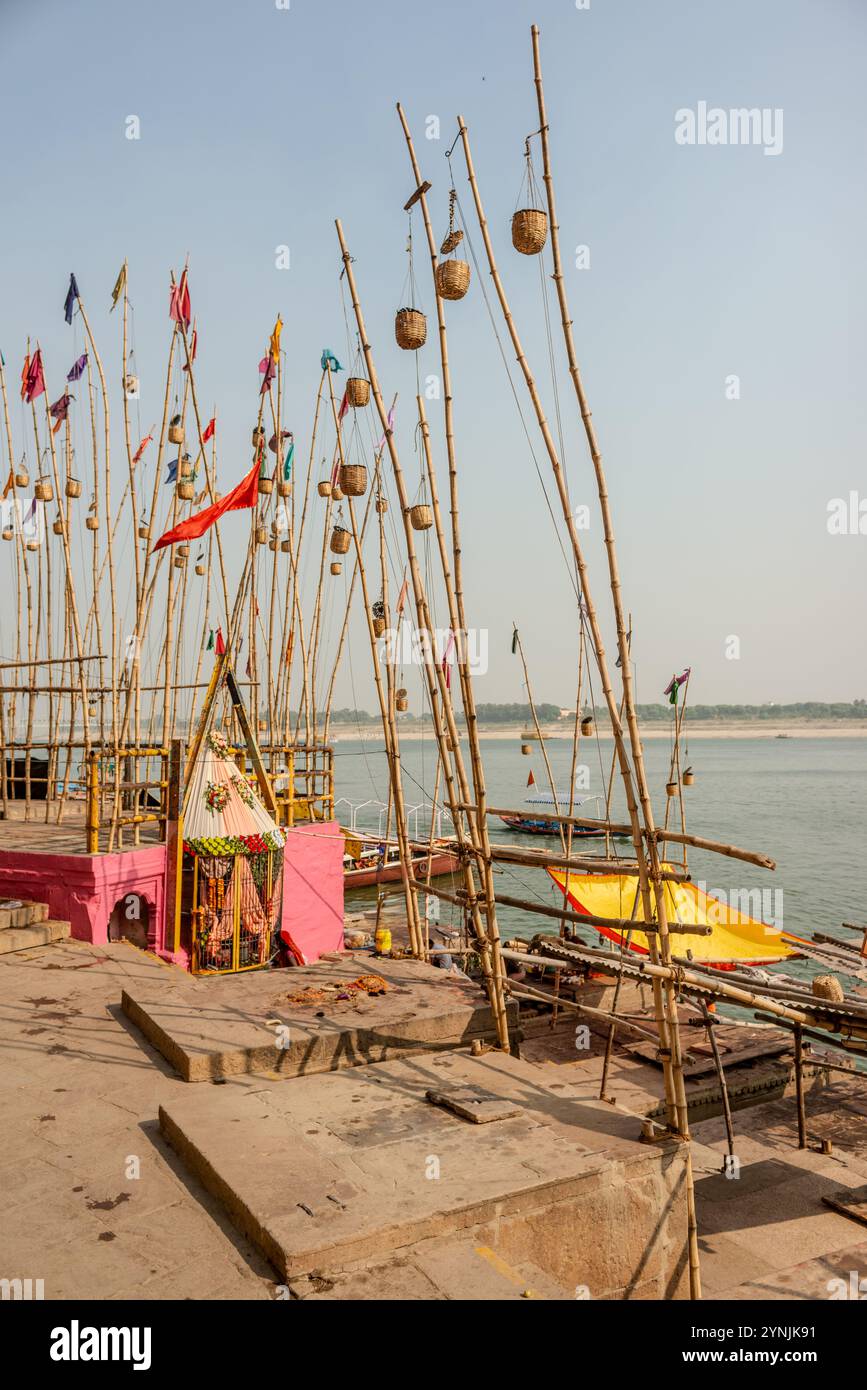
x: 353, y: 479
x: 183, y: 549
x: 340, y: 539
x: 378, y: 627
x: 421, y: 517
x: 324, y: 488
x: 258, y: 437
x: 261, y: 535
x: 401, y: 701
x: 185, y: 490
x: 43, y: 491
x: 22, y: 478
x: 284, y: 488
x: 286, y: 546
x: 144, y: 531
x: 92, y: 523
x: 186, y: 469
x: 336, y: 567
x: 526, y: 749
x: 200, y: 570
x: 272, y: 544
x: 671, y: 788
x: 382, y: 505
x: 337, y: 492
x: 57, y: 526
x: 410, y: 329
x: 32, y: 545
x: 453, y: 279
x: 529, y: 231
x: 266, y: 486
x: 176, y: 431
x: 73, y: 487
x: 587, y: 725
x: 688, y: 777
x: 180, y: 561
x: 357, y: 391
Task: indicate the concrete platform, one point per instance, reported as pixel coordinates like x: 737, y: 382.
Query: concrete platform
x: 234, y: 1025
x: 357, y: 1168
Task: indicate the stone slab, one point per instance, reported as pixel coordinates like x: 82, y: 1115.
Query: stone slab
x: 213, y: 1028
x: 356, y: 1165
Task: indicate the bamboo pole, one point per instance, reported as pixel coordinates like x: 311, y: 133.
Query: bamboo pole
x: 437, y: 688
x: 389, y: 723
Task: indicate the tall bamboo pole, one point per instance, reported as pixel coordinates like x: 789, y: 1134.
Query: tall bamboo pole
x: 489, y: 941
x: 623, y: 649
x: 389, y: 723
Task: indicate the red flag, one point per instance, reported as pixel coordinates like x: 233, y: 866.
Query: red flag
x: 244, y: 495
x: 212, y: 425
x: 344, y: 406
x: 220, y: 645
x: 141, y: 448
x: 179, y: 302
x: 33, y: 384
x: 531, y: 781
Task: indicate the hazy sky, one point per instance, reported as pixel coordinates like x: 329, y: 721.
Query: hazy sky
x: 259, y: 125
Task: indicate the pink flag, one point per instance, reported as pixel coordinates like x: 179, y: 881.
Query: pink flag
x: 179, y: 302
x: 34, y: 381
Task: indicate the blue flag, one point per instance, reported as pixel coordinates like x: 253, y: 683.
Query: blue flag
x: 329, y: 360
x: 77, y: 368
x: 71, y: 296
x: 173, y: 470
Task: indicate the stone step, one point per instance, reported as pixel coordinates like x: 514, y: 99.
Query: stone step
x: 37, y: 934
x: 21, y: 912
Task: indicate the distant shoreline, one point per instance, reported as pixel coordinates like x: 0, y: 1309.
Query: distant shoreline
x: 711, y: 729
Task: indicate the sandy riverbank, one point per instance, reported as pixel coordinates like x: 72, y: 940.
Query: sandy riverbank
x: 787, y: 729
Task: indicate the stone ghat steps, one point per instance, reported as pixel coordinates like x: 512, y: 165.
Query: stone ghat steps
x: 25, y: 924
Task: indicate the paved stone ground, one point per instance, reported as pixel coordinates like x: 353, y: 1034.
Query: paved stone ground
x: 79, y: 1093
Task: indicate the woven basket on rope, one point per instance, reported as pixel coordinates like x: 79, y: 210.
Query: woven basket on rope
x: 688, y: 777
x: 401, y: 701
x: 184, y: 550
x: 410, y: 329
x: 526, y: 749
x: 261, y: 535
x: 421, y: 517
x: 57, y: 526
x: 22, y: 478
x: 284, y: 488
x: 587, y: 725
x: 180, y: 561
x: 286, y: 546
x: 272, y: 544
x: 353, y: 479
x: 43, y: 491
x: 8, y: 533
x: 92, y: 523
x: 324, y: 488
x: 529, y: 231
x: 186, y: 468
x: 336, y: 492
x: 336, y: 567
x: 176, y: 431
x: 200, y: 570
x: 258, y: 437
x: 186, y: 491
x: 453, y: 279
x: 32, y: 545
x: 266, y: 486
x: 382, y: 505
x: 357, y: 391
x: 378, y: 627
x: 340, y: 539
x: 73, y: 487
x: 671, y: 788
x: 144, y: 531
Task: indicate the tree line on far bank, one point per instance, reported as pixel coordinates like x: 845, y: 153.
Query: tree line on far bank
x: 552, y: 714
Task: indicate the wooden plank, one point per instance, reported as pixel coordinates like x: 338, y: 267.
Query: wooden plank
x: 419, y: 193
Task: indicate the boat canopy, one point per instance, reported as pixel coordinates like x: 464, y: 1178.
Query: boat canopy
x: 736, y: 939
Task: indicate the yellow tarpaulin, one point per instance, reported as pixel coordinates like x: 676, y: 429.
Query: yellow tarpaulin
x: 736, y: 937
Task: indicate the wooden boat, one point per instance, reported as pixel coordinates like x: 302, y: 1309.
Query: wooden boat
x: 531, y: 825
x: 381, y: 864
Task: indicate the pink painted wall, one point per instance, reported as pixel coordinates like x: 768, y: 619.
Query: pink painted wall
x: 83, y: 889
x: 313, y: 888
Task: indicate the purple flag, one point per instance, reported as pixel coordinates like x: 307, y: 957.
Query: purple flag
x: 77, y: 368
